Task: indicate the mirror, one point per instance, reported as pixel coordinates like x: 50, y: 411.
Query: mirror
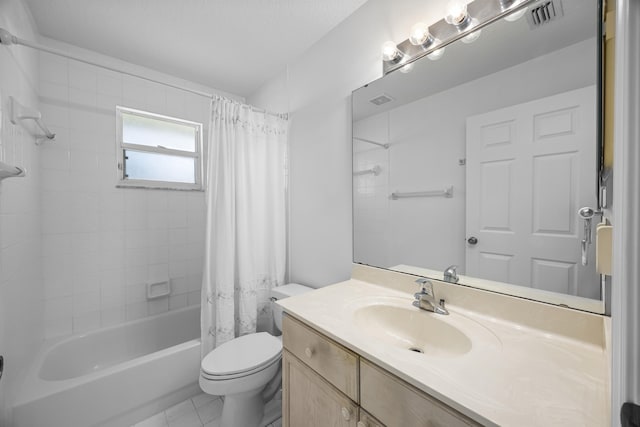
x: 482, y: 159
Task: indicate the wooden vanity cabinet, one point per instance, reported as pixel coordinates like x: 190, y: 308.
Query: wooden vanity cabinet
x: 397, y: 403
x: 367, y: 420
x: 320, y: 379
x: 325, y: 384
x: 310, y: 401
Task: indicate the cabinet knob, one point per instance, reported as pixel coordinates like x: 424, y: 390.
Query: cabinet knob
x: 308, y: 351
x: 346, y: 413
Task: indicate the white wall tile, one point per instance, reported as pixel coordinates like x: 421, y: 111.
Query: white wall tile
x: 193, y: 298
x: 177, y: 301
x: 82, y: 98
x: 82, y: 76
x: 158, y: 306
x: 135, y: 275
x: 136, y: 293
x: 55, y: 91
x: 103, y: 243
x: 86, y: 322
x: 84, y: 303
x: 158, y: 273
x: 54, y: 68
x: 109, y: 83
x: 112, y: 316
x: 59, y: 326
x: 136, y: 310
x: 179, y: 285
x: 112, y: 294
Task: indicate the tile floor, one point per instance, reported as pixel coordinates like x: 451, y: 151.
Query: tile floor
x: 202, y: 410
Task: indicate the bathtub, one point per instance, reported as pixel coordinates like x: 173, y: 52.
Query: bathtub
x: 114, y: 376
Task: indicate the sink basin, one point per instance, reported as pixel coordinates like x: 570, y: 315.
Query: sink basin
x: 419, y: 331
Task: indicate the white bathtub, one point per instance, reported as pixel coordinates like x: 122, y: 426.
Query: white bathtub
x: 114, y: 376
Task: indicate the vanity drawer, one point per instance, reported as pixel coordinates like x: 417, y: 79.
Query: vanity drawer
x: 398, y: 404
x: 333, y: 362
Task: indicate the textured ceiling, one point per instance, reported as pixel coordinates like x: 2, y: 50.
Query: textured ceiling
x: 232, y: 45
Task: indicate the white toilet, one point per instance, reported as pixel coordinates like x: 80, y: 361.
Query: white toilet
x: 240, y: 369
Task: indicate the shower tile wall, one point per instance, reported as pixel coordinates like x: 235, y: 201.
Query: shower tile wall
x: 21, y: 302
x: 101, y: 244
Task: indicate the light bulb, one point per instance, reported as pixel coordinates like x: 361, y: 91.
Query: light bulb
x: 456, y: 12
x: 419, y: 34
x: 516, y: 15
x: 471, y: 37
x: 390, y: 51
x: 436, y: 54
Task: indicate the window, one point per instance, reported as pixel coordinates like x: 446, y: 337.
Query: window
x: 157, y: 151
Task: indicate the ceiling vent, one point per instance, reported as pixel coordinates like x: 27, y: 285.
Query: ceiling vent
x: 381, y: 99
x: 544, y: 12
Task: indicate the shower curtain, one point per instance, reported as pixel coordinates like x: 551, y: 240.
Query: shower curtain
x: 245, y: 253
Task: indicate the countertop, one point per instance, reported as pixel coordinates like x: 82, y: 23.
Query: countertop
x: 515, y: 374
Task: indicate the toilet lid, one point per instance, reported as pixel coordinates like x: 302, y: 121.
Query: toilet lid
x: 245, y: 353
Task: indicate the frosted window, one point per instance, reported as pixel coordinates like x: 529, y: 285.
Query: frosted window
x: 156, y: 151
x: 159, y: 167
x: 157, y: 133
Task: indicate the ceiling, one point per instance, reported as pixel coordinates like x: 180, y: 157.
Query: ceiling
x: 231, y: 45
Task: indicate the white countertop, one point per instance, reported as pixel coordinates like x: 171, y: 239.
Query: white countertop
x: 514, y: 375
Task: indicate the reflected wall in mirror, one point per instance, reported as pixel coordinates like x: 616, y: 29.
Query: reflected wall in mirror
x: 482, y: 159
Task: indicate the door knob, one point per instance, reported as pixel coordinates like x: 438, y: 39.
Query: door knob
x: 472, y: 240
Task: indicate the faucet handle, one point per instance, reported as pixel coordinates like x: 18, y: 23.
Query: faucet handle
x: 426, y: 286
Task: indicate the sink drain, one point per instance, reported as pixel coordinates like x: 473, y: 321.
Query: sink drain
x: 415, y: 349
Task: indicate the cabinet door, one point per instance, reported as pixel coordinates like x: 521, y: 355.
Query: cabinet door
x: 310, y: 401
x: 367, y: 420
x: 398, y: 404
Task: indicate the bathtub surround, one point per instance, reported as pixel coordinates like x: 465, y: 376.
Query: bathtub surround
x: 21, y: 286
x: 102, y: 244
x: 246, y: 223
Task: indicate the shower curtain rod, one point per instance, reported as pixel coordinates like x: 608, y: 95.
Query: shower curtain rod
x: 6, y: 38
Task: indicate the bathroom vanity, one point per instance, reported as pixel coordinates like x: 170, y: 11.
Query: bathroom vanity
x: 327, y: 384
x: 359, y: 354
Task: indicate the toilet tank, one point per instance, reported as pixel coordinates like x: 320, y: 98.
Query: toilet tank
x: 289, y: 290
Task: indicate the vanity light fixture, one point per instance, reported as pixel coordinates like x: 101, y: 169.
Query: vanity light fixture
x: 407, y: 68
x: 436, y: 54
x: 515, y: 15
x: 506, y: 4
x: 390, y: 52
x: 457, y: 14
x: 463, y: 20
x: 420, y: 35
x: 471, y: 37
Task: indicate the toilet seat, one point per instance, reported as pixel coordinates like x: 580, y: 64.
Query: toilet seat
x: 210, y: 377
x: 241, y: 357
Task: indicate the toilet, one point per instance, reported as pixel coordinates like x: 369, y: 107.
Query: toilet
x: 242, y: 368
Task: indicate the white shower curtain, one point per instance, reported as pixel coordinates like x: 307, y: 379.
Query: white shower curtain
x: 245, y: 254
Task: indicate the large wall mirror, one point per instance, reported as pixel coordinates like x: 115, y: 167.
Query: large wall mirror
x: 482, y: 158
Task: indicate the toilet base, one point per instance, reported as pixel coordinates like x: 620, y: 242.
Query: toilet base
x: 242, y: 409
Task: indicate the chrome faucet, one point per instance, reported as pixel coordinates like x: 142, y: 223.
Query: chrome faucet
x: 425, y: 299
x: 451, y: 275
